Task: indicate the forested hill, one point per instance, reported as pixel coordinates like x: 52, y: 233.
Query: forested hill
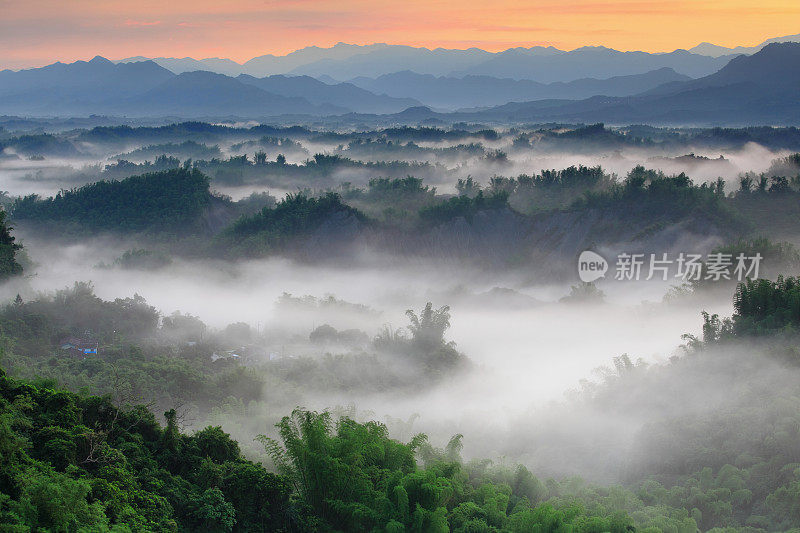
x: 293, y: 221
x: 172, y: 201
x: 546, y: 218
x: 75, y: 463
x: 72, y: 463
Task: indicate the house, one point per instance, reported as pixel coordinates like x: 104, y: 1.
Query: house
x: 79, y: 346
x: 228, y: 354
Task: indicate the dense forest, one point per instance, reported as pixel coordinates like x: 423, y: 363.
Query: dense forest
x: 171, y: 200
x: 83, y: 463
x: 293, y: 217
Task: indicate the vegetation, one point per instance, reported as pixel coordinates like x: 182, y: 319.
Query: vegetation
x: 140, y: 259
x: 463, y: 206
x: 296, y: 216
x: 73, y: 463
x: 171, y: 201
x: 355, y: 478
x: 131, y: 438
x: 763, y: 306
x: 9, y: 264
x: 389, y: 175
x: 661, y: 197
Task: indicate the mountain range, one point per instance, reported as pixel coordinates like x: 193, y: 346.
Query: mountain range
x: 590, y: 62
x: 539, y: 63
x: 345, y: 95
x: 483, y: 91
x: 713, y: 50
x: 144, y: 88
x: 543, y: 64
x: 759, y: 88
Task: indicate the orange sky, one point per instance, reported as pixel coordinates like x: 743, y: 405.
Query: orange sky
x: 37, y: 32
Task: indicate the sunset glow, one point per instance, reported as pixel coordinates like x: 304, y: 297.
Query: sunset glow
x: 38, y: 32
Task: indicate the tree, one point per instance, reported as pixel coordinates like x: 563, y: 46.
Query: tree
x: 8, y: 250
x: 213, y: 513
x: 427, y: 328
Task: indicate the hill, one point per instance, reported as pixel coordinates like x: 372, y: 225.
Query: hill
x: 294, y: 222
x: 173, y: 201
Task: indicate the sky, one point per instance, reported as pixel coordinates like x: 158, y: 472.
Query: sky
x: 39, y: 32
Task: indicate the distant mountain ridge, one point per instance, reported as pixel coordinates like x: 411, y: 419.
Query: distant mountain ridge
x: 345, y: 95
x: 714, y: 50
x: 144, y: 88
x: 72, y: 87
x: 589, y: 62
x: 203, y: 93
x: 758, y: 89
x: 543, y: 64
x: 262, y: 65
x: 317, y: 61
x: 483, y: 91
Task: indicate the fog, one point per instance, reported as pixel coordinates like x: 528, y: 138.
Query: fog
x: 20, y: 175
x: 534, y: 389
x: 526, y: 349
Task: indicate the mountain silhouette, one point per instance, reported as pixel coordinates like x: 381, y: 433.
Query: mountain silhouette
x: 76, y: 87
x: 209, y: 94
x: 758, y: 89
x: 545, y: 64
x: 714, y: 50
x: 344, y: 95
x: 761, y: 88
x: 483, y: 91
x: 589, y: 62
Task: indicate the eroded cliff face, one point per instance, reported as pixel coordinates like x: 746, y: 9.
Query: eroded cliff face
x: 546, y: 244
x: 217, y: 215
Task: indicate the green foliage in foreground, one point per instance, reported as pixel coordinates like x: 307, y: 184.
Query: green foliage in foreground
x: 355, y: 478
x: 171, y: 201
x: 72, y: 463
x: 75, y: 463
